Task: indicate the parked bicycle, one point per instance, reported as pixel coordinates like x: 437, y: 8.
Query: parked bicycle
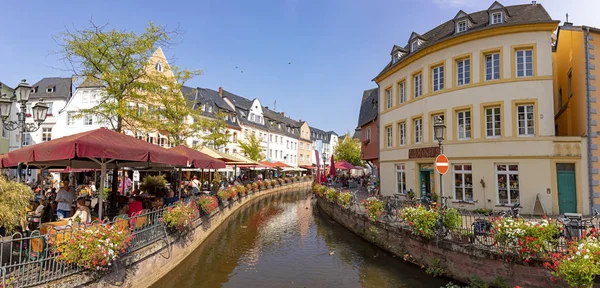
x: 391, y: 209
x: 513, y: 212
x: 482, y: 228
x: 574, y: 229
x: 441, y: 230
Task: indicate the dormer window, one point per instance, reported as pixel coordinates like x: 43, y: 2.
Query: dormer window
x: 497, y: 18
x: 414, y: 46
x: 159, y: 67
x: 34, y: 89
x: 50, y: 89
x: 461, y: 26
x: 397, y: 56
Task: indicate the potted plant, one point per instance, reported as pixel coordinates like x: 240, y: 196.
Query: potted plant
x: 223, y: 197
x: 374, y: 208
x: 180, y: 217
x: 207, y: 204
x: 331, y: 195
x: 434, y: 200
x: 151, y: 184
x: 411, y: 194
x: 344, y: 199
x: 216, y: 183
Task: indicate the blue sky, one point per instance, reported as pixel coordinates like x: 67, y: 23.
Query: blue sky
x: 335, y: 47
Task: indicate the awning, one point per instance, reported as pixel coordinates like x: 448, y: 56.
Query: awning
x: 344, y: 165
x: 199, y: 159
x: 4, y: 163
x: 69, y: 170
x: 98, y: 144
x: 274, y: 165
x: 228, y: 159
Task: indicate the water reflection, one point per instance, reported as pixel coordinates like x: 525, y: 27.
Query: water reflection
x: 283, y: 241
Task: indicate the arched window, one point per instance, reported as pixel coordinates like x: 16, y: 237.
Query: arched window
x: 159, y: 67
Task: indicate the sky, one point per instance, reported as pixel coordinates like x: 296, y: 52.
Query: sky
x: 314, y: 58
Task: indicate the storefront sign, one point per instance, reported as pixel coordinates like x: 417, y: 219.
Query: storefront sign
x: 426, y: 152
x: 136, y: 175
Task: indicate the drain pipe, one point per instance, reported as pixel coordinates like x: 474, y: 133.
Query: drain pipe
x: 588, y: 107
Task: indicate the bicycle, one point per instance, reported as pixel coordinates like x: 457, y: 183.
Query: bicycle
x: 391, y: 209
x: 441, y: 231
x: 572, y: 228
x: 512, y: 213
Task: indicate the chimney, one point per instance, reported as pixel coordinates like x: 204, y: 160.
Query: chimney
x: 221, y: 91
x: 533, y: 3
x: 283, y: 114
x: 266, y: 107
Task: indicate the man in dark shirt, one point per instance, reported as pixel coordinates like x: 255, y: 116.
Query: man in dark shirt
x: 172, y: 199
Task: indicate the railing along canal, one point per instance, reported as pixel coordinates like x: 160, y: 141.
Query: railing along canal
x: 27, y: 261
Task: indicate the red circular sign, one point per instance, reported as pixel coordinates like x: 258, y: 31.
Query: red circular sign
x: 441, y: 164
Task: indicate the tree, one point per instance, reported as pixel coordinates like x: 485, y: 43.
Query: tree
x: 348, y: 149
x: 14, y: 198
x: 252, y: 148
x: 217, y: 131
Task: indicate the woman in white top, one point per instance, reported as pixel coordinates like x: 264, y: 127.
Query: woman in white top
x: 83, y: 212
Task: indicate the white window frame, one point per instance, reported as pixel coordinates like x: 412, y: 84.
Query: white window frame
x: 402, y: 132
x: 527, y: 116
x: 493, y: 122
x: 495, y: 70
x: 522, y: 68
x: 401, y: 178
x: 461, y: 26
x: 499, y: 20
x: 414, y: 46
x: 464, y: 77
x: 437, y: 78
x: 85, y: 96
x: 467, y: 131
x: 71, y: 120
x: 418, y: 130
x: 388, y: 98
x: 46, y: 135
x: 27, y: 139
x: 508, y: 173
x: 88, y: 120
x: 367, y: 134
x: 50, y: 106
x: 463, y: 172
x: 402, y: 92
x: 388, y: 136
x: 418, y: 84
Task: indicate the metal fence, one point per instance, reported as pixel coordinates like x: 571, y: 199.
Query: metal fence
x: 30, y: 260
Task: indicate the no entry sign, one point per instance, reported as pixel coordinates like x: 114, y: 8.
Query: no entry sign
x: 441, y: 164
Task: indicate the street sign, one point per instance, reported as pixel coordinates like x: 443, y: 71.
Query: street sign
x: 441, y: 164
x: 136, y: 175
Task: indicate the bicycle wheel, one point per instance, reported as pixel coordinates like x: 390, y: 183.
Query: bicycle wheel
x: 482, y: 232
x: 440, y: 230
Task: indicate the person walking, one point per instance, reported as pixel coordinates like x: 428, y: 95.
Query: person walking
x: 64, y: 197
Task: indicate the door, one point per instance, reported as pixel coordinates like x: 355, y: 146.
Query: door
x: 425, y: 183
x: 567, y: 188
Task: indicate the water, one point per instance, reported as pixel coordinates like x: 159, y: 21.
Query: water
x: 286, y: 241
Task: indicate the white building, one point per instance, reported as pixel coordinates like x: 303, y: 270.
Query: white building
x: 325, y: 143
x: 283, y: 138
x: 87, y: 95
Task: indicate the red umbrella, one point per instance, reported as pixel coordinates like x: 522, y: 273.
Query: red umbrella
x: 344, y: 165
x: 332, y: 167
x: 199, y: 159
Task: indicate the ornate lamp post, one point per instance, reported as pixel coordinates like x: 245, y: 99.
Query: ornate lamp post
x: 438, y: 131
x: 39, y: 111
x: 324, y: 173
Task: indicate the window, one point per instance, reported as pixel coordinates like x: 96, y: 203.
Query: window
x: 418, y: 85
x: 139, y: 136
x: 414, y: 46
x: 301, y: 157
x: 524, y: 62
x: 85, y: 97
x: 49, y: 112
x: 464, y: 124
x: 71, y: 119
x: 27, y: 140
x: 368, y: 135
x: 434, y: 118
x: 4, y: 132
x: 162, y: 141
x: 150, y: 139
x: 400, y: 179
x: 287, y: 144
x: 234, y: 151
x: 301, y: 145
x: 235, y: 137
x: 493, y: 122
x: 46, y: 134
x: 418, y: 125
x: 497, y: 18
x: 50, y: 89
x: 159, y: 67
x: 463, y: 72
x: 276, y: 138
x: 507, y: 181
x: 402, y: 133
x: 492, y: 66
x: 463, y: 182
x: 271, y: 138
x: 88, y: 120
x: 388, y: 136
x: 28, y: 109
x: 461, y: 26
x: 226, y: 150
x: 525, y: 120
x: 388, y: 98
x: 437, y: 77
x: 402, y: 92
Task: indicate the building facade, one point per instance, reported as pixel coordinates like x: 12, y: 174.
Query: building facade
x: 575, y: 101
x: 369, y: 129
x: 5, y: 135
x: 488, y: 77
x: 305, y: 148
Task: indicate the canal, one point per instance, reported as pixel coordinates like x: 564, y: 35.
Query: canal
x: 284, y: 240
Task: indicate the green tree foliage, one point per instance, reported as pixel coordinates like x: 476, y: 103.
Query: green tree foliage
x: 348, y: 149
x: 14, y: 197
x: 251, y: 147
x: 217, y: 135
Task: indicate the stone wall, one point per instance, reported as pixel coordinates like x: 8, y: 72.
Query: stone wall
x: 147, y: 265
x: 460, y: 262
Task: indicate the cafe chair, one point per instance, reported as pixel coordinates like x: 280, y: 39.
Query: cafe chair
x: 37, y: 246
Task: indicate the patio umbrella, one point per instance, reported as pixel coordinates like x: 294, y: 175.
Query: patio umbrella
x: 344, y: 165
x: 199, y: 159
x: 332, y: 167
x: 99, y: 148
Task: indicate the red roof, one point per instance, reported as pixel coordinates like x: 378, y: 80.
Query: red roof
x: 99, y: 143
x: 199, y: 159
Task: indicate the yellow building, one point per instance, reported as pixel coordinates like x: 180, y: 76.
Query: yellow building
x: 488, y: 76
x: 305, y: 150
x: 575, y: 93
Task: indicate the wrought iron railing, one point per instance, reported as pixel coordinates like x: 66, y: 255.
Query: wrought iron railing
x: 30, y: 260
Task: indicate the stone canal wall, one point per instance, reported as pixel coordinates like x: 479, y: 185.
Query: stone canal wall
x: 459, y: 262
x: 146, y: 266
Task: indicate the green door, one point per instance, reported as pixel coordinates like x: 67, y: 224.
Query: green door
x: 567, y: 191
x: 425, y: 183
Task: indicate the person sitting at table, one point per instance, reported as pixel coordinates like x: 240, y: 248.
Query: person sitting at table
x: 83, y: 212
x: 172, y: 199
x: 134, y: 206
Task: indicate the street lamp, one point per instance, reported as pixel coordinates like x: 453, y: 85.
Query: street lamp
x: 324, y: 159
x: 438, y: 131
x: 39, y: 111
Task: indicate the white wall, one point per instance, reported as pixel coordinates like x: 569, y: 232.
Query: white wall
x: 83, y: 98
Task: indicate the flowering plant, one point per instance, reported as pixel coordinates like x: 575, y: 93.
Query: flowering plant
x: 255, y: 186
x: 208, y: 203
x: 287, y: 180
x: 280, y: 180
x: 223, y: 195
x: 374, y: 208
x: 331, y: 195
x: 180, y: 216
x: 261, y: 184
x: 420, y: 219
x: 344, y: 199
x: 241, y: 189
x: 94, y: 246
x: 319, y: 189
x: 579, y: 264
x: 526, y: 238
x: 233, y: 191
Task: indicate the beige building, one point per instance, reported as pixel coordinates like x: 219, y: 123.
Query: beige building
x: 488, y: 76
